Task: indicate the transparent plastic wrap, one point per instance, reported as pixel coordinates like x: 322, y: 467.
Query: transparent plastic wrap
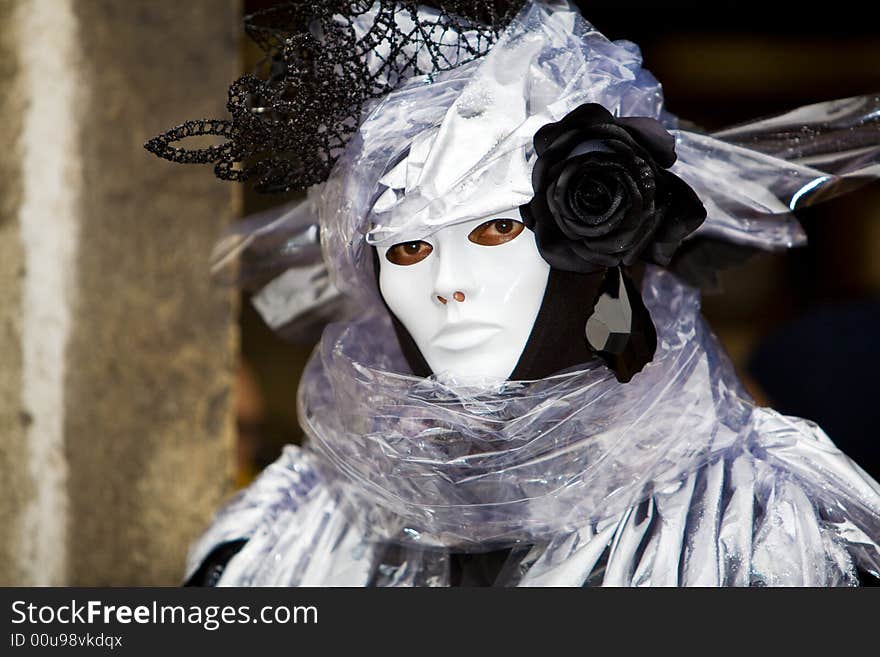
x: 779, y: 164
x: 675, y: 478
x: 837, y: 136
x: 474, y: 468
x: 275, y: 256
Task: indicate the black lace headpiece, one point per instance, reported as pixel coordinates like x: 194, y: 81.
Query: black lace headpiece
x: 323, y: 62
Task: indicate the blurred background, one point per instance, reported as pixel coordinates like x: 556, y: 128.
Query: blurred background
x: 135, y: 395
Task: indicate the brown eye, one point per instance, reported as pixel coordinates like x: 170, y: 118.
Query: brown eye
x: 495, y: 232
x: 408, y: 253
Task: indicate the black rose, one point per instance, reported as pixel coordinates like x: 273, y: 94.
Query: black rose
x: 603, y: 196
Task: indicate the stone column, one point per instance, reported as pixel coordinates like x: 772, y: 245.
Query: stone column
x: 116, y: 353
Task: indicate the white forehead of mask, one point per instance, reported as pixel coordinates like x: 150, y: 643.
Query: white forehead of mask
x: 481, y: 338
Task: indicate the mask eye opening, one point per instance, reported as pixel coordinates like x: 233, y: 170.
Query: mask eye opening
x: 408, y: 253
x: 496, y: 231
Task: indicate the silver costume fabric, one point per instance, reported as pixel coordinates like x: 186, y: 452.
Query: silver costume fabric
x: 675, y: 478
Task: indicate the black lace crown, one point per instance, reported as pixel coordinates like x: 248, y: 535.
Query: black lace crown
x: 289, y: 126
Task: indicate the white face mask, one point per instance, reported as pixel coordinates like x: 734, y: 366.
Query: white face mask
x: 468, y: 294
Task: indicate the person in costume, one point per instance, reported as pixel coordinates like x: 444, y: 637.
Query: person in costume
x: 519, y: 388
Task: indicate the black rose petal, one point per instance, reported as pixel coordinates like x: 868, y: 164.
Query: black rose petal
x: 561, y: 253
x: 589, y: 114
x: 619, y: 140
x: 594, y: 259
x: 653, y: 137
x: 578, y: 193
x: 684, y: 204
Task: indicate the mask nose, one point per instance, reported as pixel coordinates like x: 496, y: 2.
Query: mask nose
x: 453, y: 283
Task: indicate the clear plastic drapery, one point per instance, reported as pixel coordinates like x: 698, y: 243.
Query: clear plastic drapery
x: 675, y: 478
